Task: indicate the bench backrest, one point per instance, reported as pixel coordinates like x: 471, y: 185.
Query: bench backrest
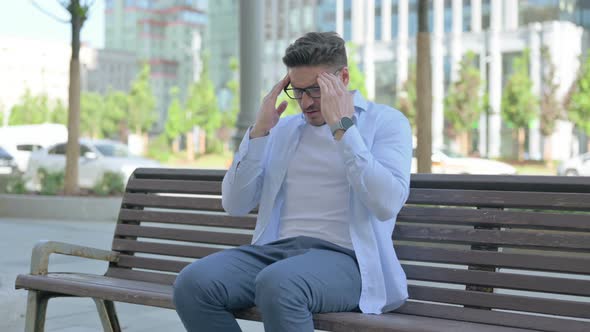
x: 492, y: 249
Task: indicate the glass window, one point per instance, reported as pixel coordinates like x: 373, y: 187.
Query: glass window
x: 59, y: 149
x: 113, y: 150
x: 28, y: 147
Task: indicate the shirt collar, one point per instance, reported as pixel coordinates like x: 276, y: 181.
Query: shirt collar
x: 360, y: 103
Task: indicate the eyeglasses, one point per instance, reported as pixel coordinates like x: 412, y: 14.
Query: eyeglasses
x: 312, y: 91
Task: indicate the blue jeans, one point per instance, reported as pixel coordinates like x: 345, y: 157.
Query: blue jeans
x: 288, y: 280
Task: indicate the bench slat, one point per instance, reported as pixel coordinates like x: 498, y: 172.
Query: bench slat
x: 186, y: 251
x: 185, y: 235
x: 507, y: 199
x: 498, y: 259
x: 475, y: 217
x: 174, y: 186
x: 500, y: 301
x: 148, y: 263
x: 173, y: 202
x: 196, y: 219
x: 536, y: 239
x: 158, y: 278
x: 494, y: 317
x: 499, y: 279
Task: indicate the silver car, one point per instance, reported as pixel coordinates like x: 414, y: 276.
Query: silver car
x: 579, y: 165
x: 96, y: 158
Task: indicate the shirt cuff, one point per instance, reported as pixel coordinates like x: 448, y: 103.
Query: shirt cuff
x: 252, y: 149
x: 351, y: 144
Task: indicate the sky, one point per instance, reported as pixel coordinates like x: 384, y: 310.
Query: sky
x: 20, y: 18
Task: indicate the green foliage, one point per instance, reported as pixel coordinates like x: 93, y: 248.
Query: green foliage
x: 406, y: 97
x: 115, y: 108
x: 462, y: 104
x: 111, y: 183
x: 230, y: 117
x: 159, y: 148
x: 16, y: 185
x: 142, y: 103
x: 579, y: 104
x: 356, y: 78
x: 519, y: 104
x: 176, y: 120
x: 92, y: 113
x: 59, y: 114
x: 202, y: 108
x: 31, y: 110
x: 51, y: 182
x: 551, y: 108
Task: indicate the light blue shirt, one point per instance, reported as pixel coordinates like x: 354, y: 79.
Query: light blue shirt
x: 377, y: 153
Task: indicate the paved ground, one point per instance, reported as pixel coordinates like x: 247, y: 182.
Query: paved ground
x: 18, y: 236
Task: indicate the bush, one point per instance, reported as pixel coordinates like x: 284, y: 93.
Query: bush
x: 159, y: 149
x: 52, y: 183
x: 16, y: 185
x: 111, y: 183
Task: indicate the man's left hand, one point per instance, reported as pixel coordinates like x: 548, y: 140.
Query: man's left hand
x: 336, y: 100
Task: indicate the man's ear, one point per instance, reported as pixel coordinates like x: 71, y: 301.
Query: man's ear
x: 345, y: 75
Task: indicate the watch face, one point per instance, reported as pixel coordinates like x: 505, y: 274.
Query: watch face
x: 347, y: 122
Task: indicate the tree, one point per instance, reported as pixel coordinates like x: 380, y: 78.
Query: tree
x: 142, y: 104
x: 356, y: 77
x: 230, y: 116
x: 117, y: 105
x: 406, y: 97
x: 424, y: 85
x: 203, y: 111
x: 579, y: 103
x: 463, y: 104
x: 519, y: 104
x: 92, y: 114
x: 550, y: 108
x: 31, y: 110
x: 59, y: 114
x: 176, y: 121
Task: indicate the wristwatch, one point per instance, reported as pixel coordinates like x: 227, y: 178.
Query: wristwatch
x: 344, y: 123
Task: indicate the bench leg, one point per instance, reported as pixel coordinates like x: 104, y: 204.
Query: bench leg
x: 36, y: 310
x: 108, y: 315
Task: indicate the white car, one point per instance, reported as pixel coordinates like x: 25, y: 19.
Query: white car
x: 446, y: 162
x: 579, y: 165
x: 96, y: 158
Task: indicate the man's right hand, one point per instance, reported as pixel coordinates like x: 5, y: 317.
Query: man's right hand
x: 269, y: 115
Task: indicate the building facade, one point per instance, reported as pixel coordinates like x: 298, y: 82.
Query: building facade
x: 166, y: 34
x: 384, y: 33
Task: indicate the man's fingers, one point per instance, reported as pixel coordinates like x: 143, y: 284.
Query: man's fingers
x: 280, y: 86
x: 282, y: 107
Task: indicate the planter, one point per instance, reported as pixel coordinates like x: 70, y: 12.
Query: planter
x: 60, y: 207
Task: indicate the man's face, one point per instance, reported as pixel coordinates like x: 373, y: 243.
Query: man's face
x: 307, y: 77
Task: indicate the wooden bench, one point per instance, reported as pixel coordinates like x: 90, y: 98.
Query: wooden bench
x: 482, y: 253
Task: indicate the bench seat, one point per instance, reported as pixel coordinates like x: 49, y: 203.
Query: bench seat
x: 160, y: 295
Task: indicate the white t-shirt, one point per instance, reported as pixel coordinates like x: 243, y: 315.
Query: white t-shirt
x: 316, y: 190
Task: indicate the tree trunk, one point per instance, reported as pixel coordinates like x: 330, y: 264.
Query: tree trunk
x: 547, y: 151
x: 190, y: 145
x: 521, y: 138
x: 73, y: 145
x: 424, y: 87
x: 145, y: 141
x: 176, y: 145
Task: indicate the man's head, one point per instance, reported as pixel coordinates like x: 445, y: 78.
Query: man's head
x: 306, y: 58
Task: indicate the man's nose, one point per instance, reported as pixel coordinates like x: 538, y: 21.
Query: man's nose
x: 306, y: 100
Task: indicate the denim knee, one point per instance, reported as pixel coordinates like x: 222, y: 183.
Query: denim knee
x: 278, y: 290
x: 194, y: 288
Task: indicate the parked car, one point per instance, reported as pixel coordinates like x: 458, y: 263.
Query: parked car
x: 579, y: 165
x: 447, y: 162
x: 8, y: 166
x: 96, y: 158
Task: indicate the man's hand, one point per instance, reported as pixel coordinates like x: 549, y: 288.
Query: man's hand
x: 336, y: 99
x: 269, y: 115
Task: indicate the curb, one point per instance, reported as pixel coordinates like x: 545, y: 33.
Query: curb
x: 59, y: 207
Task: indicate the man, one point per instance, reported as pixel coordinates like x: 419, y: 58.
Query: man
x: 329, y: 183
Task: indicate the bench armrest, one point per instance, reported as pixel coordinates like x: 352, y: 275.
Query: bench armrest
x: 44, y: 248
